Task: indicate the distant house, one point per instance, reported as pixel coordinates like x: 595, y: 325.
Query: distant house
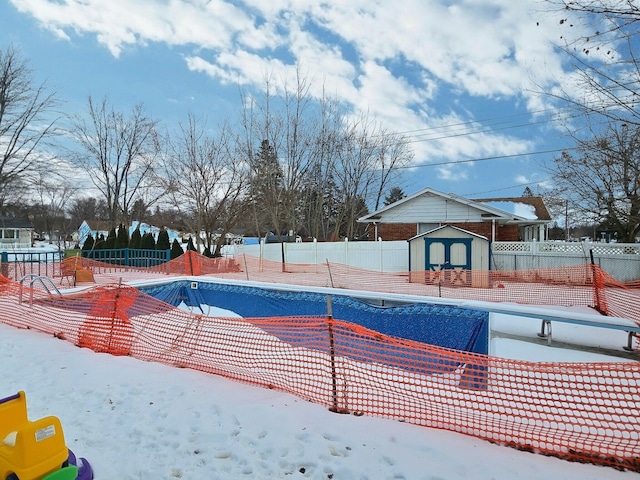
x: 500, y: 219
x: 15, y: 233
x: 95, y: 228
x: 146, y: 228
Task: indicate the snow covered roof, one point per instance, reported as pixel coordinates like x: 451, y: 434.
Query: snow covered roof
x: 531, y: 208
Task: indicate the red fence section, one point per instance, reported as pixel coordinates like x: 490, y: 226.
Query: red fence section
x: 585, y: 412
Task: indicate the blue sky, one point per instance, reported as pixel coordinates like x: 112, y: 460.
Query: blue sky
x: 435, y: 70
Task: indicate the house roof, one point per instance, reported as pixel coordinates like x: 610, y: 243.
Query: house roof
x: 532, y: 208
x: 98, y: 225
x: 487, y: 208
x: 16, y: 222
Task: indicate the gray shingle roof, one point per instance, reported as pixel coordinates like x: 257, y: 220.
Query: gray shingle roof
x: 15, y: 222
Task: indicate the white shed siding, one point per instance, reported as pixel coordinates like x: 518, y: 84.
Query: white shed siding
x: 477, y: 277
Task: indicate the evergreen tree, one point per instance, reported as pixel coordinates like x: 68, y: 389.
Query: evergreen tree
x: 395, y: 194
x: 100, y: 243
x: 207, y: 252
x: 190, y: 245
x: 136, y: 238
x: 88, y: 243
x: 148, y: 242
x: 110, y: 242
x: 122, y: 240
x: 163, y: 240
x: 266, y: 190
x: 176, y: 249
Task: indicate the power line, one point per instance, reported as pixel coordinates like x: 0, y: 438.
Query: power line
x: 489, y: 126
x: 482, y: 159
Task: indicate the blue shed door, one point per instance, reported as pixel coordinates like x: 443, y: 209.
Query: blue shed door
x: 449, y: 259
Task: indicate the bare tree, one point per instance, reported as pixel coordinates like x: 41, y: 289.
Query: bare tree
x: 119, y: 153
x: 207, y: 180
x: 28, y: 120
x: 87, y: 208
x: 53, y: 192
x: 279, y: 134
x: 604, y: 54
x: 602, y: 179
x: 367, y: 164
x: 313, y: 169
x: 318, y: 202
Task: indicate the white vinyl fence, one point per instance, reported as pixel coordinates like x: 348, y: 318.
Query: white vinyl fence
x: 622, y: 261
x: 378, y: 256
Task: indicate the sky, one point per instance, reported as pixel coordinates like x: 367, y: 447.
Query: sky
x: 136, y: 420
x: 461, y: 79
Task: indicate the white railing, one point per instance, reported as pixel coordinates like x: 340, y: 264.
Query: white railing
x: 567, y: 248
x: 14, y: 243
x: 620, y: 260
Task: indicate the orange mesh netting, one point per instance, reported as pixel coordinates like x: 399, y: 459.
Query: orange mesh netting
x: 584, y: 412
x: 582, y: 285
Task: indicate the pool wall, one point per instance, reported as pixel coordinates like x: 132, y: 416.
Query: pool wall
x: 446, y: 326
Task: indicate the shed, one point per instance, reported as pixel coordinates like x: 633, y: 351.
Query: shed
x: 449, y: 255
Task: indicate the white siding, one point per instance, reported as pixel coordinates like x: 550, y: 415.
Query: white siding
x: 429, y: 208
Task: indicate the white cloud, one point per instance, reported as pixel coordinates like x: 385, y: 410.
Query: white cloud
x: 357, y: 50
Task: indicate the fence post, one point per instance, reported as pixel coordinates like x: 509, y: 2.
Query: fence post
x: 330, y: 276
x: 346, y: 253
x: 4, y: 264
x: 332, y: 355
x: 598, y: 286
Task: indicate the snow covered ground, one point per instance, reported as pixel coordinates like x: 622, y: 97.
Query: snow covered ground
x: 139, y: 420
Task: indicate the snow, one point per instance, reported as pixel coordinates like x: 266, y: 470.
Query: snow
x: 140, y: 420
x: 516, y: 208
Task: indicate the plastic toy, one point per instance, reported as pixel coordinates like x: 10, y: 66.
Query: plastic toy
x: 35, y: 450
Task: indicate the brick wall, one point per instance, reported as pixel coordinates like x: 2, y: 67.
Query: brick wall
x: 394, y: 231
x: 504, y: 233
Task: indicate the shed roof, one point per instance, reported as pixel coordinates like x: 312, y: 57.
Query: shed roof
x: 471, y: 234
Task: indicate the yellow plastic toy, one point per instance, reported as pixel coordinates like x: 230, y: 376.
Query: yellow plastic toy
x: 31, y: 450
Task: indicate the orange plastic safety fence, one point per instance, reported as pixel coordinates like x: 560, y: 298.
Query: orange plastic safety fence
x: 582, y: 285
x: 585, y: 412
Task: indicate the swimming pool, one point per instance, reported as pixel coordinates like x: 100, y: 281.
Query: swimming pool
x: 448, y: 326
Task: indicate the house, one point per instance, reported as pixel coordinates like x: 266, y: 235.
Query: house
x: 146, y: 228
x: 15, y: 232
x: 532, y: 208
x: 95, y: 228
x: 506, y: 219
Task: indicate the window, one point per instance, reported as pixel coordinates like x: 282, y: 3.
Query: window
x: 427, y: 227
